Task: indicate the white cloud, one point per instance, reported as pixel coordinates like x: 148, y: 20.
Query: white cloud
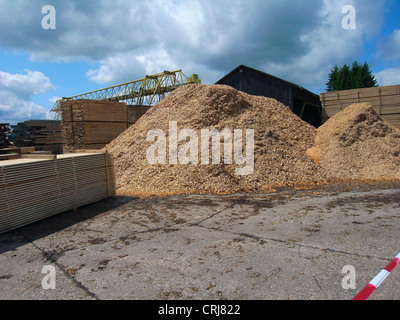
x: 297, y: 40
x: 212, y: 36
x: 90, y: 30
x: 388, y: 77
x: 16, y: 91
x: 54, y: 99
x: 300, y: 42
x: 131, y: 66
x: 390, y: 48
x: 330, y: 44
x: 25, y: 85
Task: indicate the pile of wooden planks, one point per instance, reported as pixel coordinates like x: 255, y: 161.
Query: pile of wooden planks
x: 91, y: 124
x: 4, y: 135
x: 17, y: 153
x: 33, y: 189
x: 44, y: 134
x: 135, y: 112
x: 385, y: 100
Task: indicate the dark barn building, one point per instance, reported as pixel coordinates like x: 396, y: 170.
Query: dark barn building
x: 302, y: 102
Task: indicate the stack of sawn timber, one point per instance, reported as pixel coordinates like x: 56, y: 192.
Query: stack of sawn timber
x: 4, y: 132
x: 33, y: 189
x: 385, y: 100
x: 135, y: 112
x: 91, y: 124
x: 44, y: 132
x: 45, y: 135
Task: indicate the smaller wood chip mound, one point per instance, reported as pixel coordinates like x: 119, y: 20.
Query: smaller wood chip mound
x: 358, y: 144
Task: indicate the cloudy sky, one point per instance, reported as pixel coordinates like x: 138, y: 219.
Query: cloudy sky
x: 97, y: 43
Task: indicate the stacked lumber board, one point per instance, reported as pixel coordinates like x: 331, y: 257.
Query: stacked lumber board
x: 45, y: 131
x: 135, y: 112
x: 45, y: 134
x: 385, y: 100
x: 91, y: 124
x: 4, y: 135
x: 33, y: 189
x: 16, y: 153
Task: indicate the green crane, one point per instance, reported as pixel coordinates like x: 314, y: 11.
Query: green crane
x: 147, y: 91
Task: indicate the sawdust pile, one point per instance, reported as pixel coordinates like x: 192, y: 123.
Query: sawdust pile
x: 280, y: 143
x: 358, y: 144
x: 355, y: 144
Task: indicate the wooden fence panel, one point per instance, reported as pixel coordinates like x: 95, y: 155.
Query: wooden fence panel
x: 385, y: 100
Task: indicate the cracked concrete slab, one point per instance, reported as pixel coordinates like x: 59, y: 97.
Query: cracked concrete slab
x: 290, y: 244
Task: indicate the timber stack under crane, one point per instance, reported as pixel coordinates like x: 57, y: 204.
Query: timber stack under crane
x: 147, y: 91
x: 91, y: 120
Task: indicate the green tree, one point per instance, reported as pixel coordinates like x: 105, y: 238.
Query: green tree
x: 345, y: 78
x: 367, y: 79
x: 333, y: 79
x: 354, y: 77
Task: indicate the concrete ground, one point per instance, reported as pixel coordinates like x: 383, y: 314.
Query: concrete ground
x: 290, y: 244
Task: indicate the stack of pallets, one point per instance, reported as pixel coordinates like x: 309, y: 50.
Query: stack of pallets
x: 33, y: 189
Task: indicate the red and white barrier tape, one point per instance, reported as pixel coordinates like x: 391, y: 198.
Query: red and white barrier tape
x: 379, y: 278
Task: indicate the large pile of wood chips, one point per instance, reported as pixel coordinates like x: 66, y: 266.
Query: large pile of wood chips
x: 282, y: 144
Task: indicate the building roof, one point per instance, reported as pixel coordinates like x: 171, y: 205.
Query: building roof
x: 222, y: 80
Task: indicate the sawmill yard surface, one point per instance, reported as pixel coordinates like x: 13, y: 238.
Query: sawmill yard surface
x: 287, y: 244
x: 186, y: 231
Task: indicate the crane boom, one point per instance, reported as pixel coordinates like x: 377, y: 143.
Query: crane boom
x: 147, y: 91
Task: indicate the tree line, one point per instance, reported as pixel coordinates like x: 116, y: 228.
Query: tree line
x: 351, y: 77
